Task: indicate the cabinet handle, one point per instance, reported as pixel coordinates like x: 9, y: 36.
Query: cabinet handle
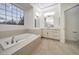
x: 74, y: 32
x: 47, y: 32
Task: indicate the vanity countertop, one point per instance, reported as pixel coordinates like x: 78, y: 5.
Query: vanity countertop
x: 51, y: 28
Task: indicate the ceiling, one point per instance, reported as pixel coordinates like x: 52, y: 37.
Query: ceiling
x: 43, y: 5
x: 40, y: 6
x: 24, y: 6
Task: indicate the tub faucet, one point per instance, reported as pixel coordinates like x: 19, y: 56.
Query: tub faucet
x: 12, y: 41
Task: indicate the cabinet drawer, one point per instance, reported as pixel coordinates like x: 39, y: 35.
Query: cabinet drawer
x: 56, y: 37
x: 45, y: 34
x: 53, y: 31
x: 54, y: 34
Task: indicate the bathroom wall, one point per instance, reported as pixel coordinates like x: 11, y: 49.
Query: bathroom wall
x: 29, y: 21
x: 54, y: 8
x: 38, y: 12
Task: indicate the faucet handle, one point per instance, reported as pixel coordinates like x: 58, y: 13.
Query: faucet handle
x: 13, y: 37
x: 7, y: 43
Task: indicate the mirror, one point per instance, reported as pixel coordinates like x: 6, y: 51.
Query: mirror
x: 49, y: 19
x: 37, y: 20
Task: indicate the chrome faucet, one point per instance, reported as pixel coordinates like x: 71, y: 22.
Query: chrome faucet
x: 12, y: 41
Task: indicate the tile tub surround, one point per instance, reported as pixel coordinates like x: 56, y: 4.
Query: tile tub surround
x: 4, y: 34
x: 20, y: 45
x: 35, y: 31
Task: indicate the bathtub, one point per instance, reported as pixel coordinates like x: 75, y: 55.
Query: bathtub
x: 21, y: 44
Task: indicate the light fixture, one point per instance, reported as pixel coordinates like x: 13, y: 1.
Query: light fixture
x: 49, y: 14
x: 37, y: 14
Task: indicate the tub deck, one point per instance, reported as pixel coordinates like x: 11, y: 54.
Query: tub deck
x: 24, y: 47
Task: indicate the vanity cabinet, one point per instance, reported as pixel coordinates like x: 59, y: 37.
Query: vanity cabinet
x: 51, y: 33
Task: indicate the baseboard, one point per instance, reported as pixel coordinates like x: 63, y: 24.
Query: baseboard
x: 73, y: 41
x: 50, y: 38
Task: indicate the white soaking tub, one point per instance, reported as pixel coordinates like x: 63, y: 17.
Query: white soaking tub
x: 16, y: 43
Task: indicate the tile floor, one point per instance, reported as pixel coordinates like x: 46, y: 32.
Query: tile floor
x: 53, y: 47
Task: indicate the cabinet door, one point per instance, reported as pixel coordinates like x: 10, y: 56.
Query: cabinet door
x: 56, y: 36
x: 53, y: 34
x: 45, y: 33
x: 50, y: 34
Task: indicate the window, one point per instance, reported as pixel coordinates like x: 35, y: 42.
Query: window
x: 2, y: 13
x: 10, y: 14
